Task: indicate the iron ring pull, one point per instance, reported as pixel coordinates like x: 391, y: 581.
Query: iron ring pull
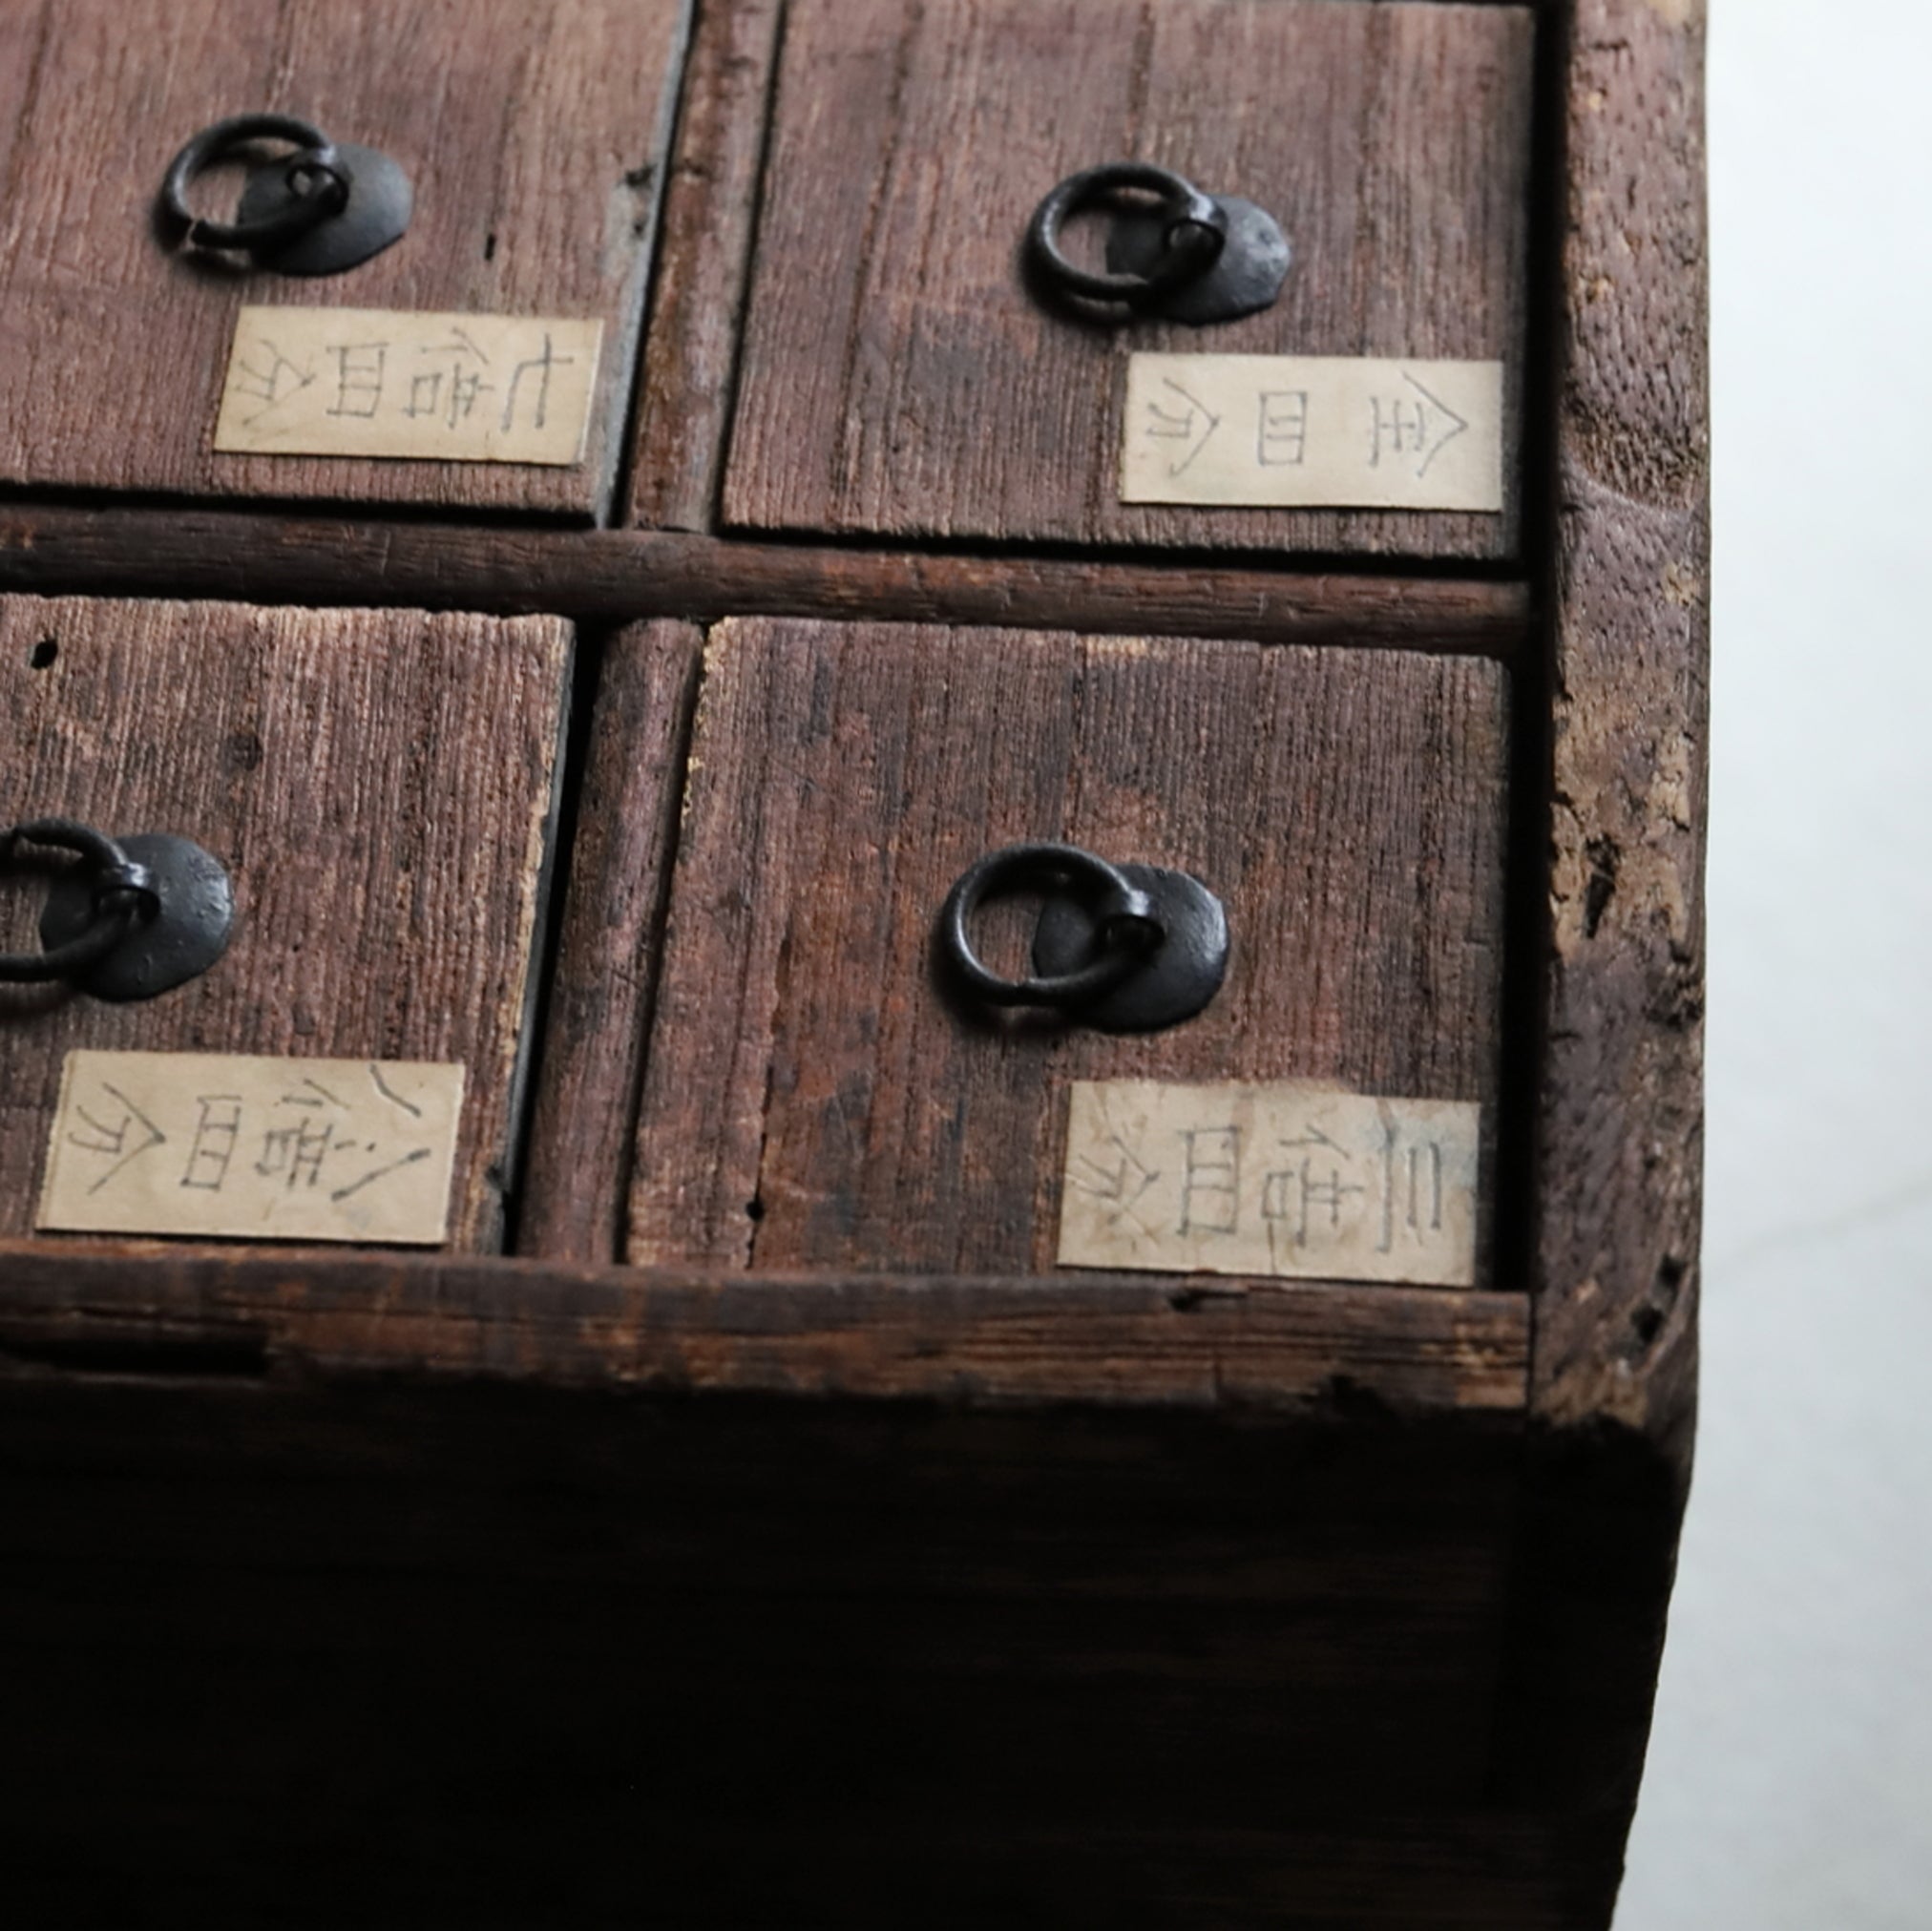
x: 1127, y: 924
x: 123, y: 892
x: 1195, y: 229
x: 316, y: 177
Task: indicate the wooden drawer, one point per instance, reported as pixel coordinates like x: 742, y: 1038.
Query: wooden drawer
x: 379, y: 785
x: 777, y: 1529
x: 812, y: 1100
x: 533, y: 136
x: 898, y: 377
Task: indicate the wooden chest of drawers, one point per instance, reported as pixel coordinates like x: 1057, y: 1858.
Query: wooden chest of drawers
x: 744, y: 1517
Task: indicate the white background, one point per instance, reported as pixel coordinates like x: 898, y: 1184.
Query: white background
x: 1790, y: 1781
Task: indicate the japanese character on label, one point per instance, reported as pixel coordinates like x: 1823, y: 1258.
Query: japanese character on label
x: 373, y: 381
x: 1269, y: 1181
x: 1334, y: 431
x: 165, y: 1143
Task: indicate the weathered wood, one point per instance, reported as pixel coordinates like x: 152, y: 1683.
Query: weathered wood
x: 1063, y: 1338
x: 379, y: 786
x: 1046, y: 1627
x: 1213, y: 1602
x: 1619, y: 1113
x: 532, y: 135
x: 703, y: 259
x: 900, y: 379
x: 810, y: 1097
x: 1621, y: 1126
x: 619, y: 576
x: 571, y: 1204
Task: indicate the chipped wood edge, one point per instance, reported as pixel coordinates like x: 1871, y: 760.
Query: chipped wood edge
x: 1617, y: 1127
x: 1085, y: 1341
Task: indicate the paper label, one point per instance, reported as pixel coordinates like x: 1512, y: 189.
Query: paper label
x: 231, y: 1146
x: 1329, y: 431
x: 381, y: 382
x: 1276, y: 1180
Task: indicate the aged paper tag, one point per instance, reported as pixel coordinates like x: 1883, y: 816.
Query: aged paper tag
x: 232, y: 1146
x: 1286, y: 1179
x: 1333, y: 431
x: 379, y: 382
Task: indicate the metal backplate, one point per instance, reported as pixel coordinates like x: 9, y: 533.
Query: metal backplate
x: 182, y: 939
x: 1247, y: 276
x: 377, y: 212
x: 1178, y: 978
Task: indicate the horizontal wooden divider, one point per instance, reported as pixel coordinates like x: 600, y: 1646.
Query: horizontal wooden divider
x: 1088, y: 1339
x: 618, y: 575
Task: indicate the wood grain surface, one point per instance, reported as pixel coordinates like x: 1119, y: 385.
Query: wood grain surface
x: 618, y: 575
x: 1622, y: 1116
x: 379, y: 787
x: 571, y: 1206
x: 1204, y: 1601
x: 813, y: 1099
x: 898, y: 377
x: 532, y: 135
x: 1619, y: 1121
x: 515, y: 1636
x: 1095, y: 1339
x: 704, y: 262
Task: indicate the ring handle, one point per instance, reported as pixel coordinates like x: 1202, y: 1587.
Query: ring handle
x: 1196, y: 231
x: 123, y: 893
x: 315, y: 161
x: 1125, y: 917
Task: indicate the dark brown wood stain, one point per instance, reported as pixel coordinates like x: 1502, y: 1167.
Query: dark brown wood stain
x: 619, y: 576
x: 812, y: 1098
x: 533, y: 136
x: 379, y: 785
x: 854, y: 1562
x: 900, y: 379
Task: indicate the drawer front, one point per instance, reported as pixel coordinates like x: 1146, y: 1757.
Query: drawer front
x: 813, y: 1100
x: 900, y: 379
x: 533, y: 138
x: 379, y: 786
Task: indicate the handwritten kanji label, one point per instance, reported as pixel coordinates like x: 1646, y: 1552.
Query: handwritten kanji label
x: 1272, y: 1179
x: 1330, y: 431
x: 378, y: 382
x: 229, y: 1145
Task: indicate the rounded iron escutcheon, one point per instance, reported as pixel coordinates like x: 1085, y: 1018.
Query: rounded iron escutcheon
x: 1245, y: 278
x: 376, y: 213
x: 1169, y: 984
